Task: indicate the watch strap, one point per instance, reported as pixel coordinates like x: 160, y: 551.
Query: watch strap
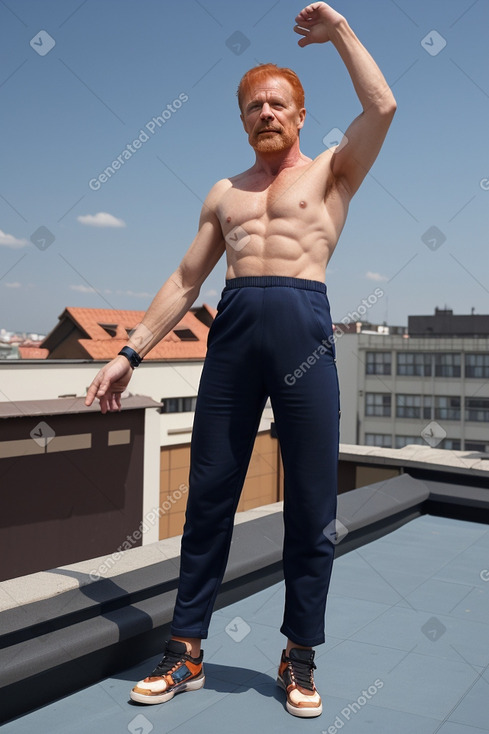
x: 134, y: 358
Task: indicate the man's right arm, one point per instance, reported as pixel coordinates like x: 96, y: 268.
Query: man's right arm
x: 168, y: 307
x: 182, y: 288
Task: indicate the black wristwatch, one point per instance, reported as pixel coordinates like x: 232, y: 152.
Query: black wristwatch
x: 133, y: 357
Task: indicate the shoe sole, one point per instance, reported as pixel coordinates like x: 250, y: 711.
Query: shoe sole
x: 149, y: 698
x: 304, y: 712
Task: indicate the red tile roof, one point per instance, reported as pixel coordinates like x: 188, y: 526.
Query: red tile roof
x: 99, y: 344
x: 33, y: 353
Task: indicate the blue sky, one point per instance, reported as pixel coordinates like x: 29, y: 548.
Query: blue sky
x: 116, y: 64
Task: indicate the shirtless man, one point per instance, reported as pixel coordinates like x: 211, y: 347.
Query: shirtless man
x: 278, y: 223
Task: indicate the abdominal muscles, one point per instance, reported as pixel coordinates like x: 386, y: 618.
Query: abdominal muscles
x: 289, y: 247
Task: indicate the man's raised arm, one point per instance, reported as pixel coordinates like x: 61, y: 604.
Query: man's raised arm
x: 319, y: 23
x: 168, y: 307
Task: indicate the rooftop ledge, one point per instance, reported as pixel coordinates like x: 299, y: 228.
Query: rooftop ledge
x: 46, y: 584
x: 476, y: 463
x: 82, y: 622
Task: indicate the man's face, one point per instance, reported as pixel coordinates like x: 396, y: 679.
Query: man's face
x: 271, y: 117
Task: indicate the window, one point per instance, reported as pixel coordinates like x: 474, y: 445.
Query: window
x: 178, y: 405
x: 378, y: 439
x: 413, y: 406
x: 477, y: 446
x: 378, y: 363
x: 477, y: 365
x: 402, y: 441
x: 186, y: 335
x: 447, y: 365
x: 447, y: 408
x: 450, y: 444
x: 414, y: 363
x: 111, y: 329
x: 378, y: 403
x: 477, y: 409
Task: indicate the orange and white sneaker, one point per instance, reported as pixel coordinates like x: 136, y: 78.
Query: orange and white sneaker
x: 176, y: 672
x: 295, y: 676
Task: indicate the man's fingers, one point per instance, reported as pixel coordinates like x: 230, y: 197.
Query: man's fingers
x: 305, y: 14
x: 301, y: 31
x: 97, y: 389
x: 104, y: 385
x: 103, y: 404
x: 91, y: 392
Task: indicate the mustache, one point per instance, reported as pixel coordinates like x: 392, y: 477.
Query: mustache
x: 268, y: 130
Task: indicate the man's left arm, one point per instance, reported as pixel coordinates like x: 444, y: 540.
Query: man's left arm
x: 350, y: 163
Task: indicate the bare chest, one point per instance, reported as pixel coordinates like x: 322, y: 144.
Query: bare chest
x: 288, y: 197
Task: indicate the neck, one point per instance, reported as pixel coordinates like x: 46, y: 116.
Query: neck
x: 275, y: 161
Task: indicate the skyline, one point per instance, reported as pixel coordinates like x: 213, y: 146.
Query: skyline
x: 109, y: 77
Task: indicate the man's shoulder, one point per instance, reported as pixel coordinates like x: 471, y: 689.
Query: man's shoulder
x: 220, y: 187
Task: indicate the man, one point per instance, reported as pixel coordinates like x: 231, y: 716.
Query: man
x: 278, y: 223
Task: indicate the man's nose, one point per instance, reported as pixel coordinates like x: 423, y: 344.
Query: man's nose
x: 266, y: 111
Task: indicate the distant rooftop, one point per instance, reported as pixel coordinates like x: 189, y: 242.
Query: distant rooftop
x: 445, y: 323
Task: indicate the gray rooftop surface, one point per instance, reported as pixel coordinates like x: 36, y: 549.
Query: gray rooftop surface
x: 407, y: 622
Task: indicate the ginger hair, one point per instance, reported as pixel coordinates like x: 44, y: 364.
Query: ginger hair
x: 265, y: 71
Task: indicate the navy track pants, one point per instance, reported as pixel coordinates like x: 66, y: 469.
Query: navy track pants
x: 272, y: 337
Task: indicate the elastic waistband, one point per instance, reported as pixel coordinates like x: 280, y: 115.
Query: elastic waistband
x: 267, y: 281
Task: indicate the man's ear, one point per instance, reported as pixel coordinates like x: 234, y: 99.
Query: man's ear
x: 302, y: 117
x: 243, y: 121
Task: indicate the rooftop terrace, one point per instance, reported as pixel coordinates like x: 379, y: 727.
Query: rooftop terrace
x: 406, y: 651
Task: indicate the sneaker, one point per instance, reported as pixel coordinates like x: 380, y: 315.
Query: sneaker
x: 295, y: 676
x: 176, y: 672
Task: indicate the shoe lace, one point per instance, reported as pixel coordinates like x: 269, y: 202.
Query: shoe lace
x: 169, y: 660
x: 302, y: 672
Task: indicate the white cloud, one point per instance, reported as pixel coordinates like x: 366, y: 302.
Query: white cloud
x: 15, y: 284
x: 8, y: 240
x: 82, y: 288
x: 375, y: 276
x: 212, y: 292
x: 141, y: 294
x: 101, y: 219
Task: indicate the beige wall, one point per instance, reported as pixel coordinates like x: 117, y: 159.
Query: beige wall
x: 260, y: 487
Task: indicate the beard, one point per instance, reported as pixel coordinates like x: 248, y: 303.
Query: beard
x: 274, y: 142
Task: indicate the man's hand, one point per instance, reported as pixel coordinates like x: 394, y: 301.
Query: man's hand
x: 316, y: 23
x: 109, y: 384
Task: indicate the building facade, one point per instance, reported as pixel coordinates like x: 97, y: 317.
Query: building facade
x: 399, y: 389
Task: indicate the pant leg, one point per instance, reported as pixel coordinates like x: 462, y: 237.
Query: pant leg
x: 305, y: 399
x: 229, y: 405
